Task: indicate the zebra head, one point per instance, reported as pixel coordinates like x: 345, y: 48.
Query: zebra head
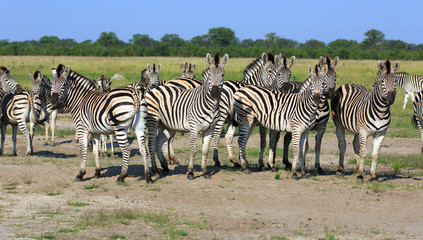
x: 104, y: 84
x: 40, y: 84
x: 385, y: 80
x: 59, y: 86
x: 7, y: 82
x: 331, y: 74
x: 188, y: 70
x: 283, y: 73
x: 213, y: 76
x: 318, y: 79
x: 150, y: 77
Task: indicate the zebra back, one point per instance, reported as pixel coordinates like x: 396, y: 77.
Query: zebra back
x: 417, y: 119
x: 409, y: 82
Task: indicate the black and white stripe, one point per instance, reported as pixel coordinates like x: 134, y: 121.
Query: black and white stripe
x: 193, y: 110
x: 290, y: 112
x: 364, y: 113
x: 417, y: 119
x: 98, y: 113
x: 17, y: 110
x: 410, y: 83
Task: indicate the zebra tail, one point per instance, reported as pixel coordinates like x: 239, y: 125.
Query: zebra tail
x: 39, y: 117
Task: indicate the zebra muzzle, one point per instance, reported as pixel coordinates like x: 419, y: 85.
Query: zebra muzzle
x: 316, y: 97
x: 285, y: 87
x: 331, y: 93
x: 215, y: 92
x: 55, y: 103
x: 391, y: 97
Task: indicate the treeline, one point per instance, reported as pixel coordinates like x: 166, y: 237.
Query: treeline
x: 374, y: 46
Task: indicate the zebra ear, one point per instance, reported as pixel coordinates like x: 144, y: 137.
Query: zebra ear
x: 325, y: 69
x: 335, y: 61
x: 10, y: 68
x: 396, y: 67
x: 278, y: 60
x: 31, y: 76
x: 321, y: 61
x: 183, y: 66
x: 67, y: 71
x: 264, y: 58
x: 209, y: 59
x: 192, y: 67
x: 148, y: 67
x: 291, y: 61
x: 159, y: 67
x: 380, y: 65
x: 225, y: 60
x: 310, y: 70
x: 54, y: 72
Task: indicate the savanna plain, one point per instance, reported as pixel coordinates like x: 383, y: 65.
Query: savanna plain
x: 40, y: 200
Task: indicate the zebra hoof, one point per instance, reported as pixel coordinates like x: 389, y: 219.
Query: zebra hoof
x: 360, y: 179
x: 273, y: 169
x: 373, y: 179
x: 148, y: 178
x: 207, y: 176
x: 45, y: 144
x: 190, y: 176
x: 320, y: 171
x: 77, y: 179
x: 217, y: 164
x: 155, y: 173
x: 295, y: 177
x: 98, y: 174
x: 340, y: 174
x: 236, y: 165
x: 288, y: 166
x: 165, y: 172
x: 247, y: 171
x: 120, y: 179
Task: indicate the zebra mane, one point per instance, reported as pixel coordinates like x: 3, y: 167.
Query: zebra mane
x: 307, y: 82
x: 4, y: 70
x: 257, y: 64
x: 284, y: 61
x: 388, y: 66
x: 217, y: 59
x: 76, y: 77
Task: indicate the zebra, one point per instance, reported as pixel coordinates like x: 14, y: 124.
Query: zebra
x: 322, y: 115
x: 17, y: 110
x: 41, y: 86
x: 410, y: 83
x: 150, y: 77
x: 194, y: 110
x: 364, y: 113
x: 292, y: 112
x: 417, y: 118
x: 188, y: 70
x: 7, y: 82
x: 98, y: 113
x: 267, y: 70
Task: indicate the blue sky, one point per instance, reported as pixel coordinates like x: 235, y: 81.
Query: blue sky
x: 297, y: 20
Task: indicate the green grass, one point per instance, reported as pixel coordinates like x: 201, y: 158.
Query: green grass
x: 413, y: 161
x: 116, y: 236
x: 91, y: 186
x: 77, y: 203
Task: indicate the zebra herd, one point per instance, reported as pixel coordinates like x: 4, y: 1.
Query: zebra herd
x: 265, y: 97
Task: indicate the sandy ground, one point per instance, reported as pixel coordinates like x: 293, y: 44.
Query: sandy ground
x: 39, y: 199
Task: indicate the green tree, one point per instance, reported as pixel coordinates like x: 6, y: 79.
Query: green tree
x: 109, y: 39
x: 374, y: 39
x: 222, y: 36
x: 173, y: 40
x: 314, y: 44
x: 342, y: 43
x: 143, y: 40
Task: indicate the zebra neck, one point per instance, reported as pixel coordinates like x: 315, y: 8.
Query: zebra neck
x: 379, y: 102
x: 79, y: 87
x: 254, y: 74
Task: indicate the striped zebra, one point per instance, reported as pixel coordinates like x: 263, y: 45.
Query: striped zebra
x: 410, y: 83
x: 322, y: 115
x: 292, y: 112
x: 17, y: 110
x: 268, y: 71
x: 188, y: 70
x: 41, y: 85
x: 417, y: 118
x: 364, y: 113
x: 98, y: 113
x: 194, y: 110
x: 7, y: 82
x: 150, y: 77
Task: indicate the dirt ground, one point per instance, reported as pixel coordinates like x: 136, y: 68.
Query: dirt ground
x: 39, y: 199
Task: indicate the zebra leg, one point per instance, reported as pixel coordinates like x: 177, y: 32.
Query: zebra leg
x: 14, y: 134
x: 244, y: 134
x: 139, y: 126
x: 318, y: 138
x: 3, y: 137
x: 342, y: 145
x: 356, y: 147
x: 217, y: 132
x: 377, y: 143
x: 97, y: 139
x: 362, y: 154
x: 193, y: 147
x: 31, y: 137
x: 263, y: 133
x: 206, y: 143
x: 286, y: 141
x: 297, y: 141
x: 46, y: 128
x: 152, y: 125
x: 112, y: 149
x: 230, y: 132
x: 273, y: 142
x: 24, y: 130
x: 303, y: 153
x: 171, y: 152
x: 163, y: 136
x: 122, y: 138
x: 83, y: 145
x: 421, y: 136
x: 405, y: 100
x: 53, y: 126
